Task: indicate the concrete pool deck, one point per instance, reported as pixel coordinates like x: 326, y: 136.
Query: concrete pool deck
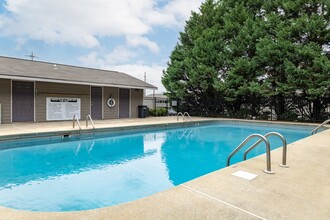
x: 299, y: 192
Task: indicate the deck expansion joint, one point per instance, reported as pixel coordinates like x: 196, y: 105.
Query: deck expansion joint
x: 221, y: 201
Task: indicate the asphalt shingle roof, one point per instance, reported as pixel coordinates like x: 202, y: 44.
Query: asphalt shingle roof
x: 50, y: 72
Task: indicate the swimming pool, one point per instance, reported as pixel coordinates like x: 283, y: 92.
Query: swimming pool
x: 113, y: 168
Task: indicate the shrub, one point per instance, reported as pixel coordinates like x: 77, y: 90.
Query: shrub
x: 158, y: 112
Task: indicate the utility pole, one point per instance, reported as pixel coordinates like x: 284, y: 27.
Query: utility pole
x: 145, y: 79
x: 32, y: 56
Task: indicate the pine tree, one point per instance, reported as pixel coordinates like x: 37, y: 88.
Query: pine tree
x: 255, y: 54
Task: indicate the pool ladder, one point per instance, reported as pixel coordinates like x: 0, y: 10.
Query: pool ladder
x: 318, y: 127
x: 88, y: 118
x: 262, y: 138
x: 183, y: 116
x: 74, y: 120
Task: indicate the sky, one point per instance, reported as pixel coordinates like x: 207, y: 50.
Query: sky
x: 130, y: 36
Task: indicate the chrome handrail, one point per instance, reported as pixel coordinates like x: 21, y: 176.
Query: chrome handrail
x: 284, y: 152
x: 177, y: 116
x: 75, y: 118
x: 186, y: 113
x: 268, y: 158
x: 318, y: 127
x: 90, y: 118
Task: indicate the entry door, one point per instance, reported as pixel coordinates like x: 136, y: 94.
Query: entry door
x: 96, y: 102
x: 124, y: 103
x: 23, y: 101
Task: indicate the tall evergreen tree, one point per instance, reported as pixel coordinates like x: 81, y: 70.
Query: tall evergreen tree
x: 192, y: 71
x: 294, y: 54
x: 256, y: 54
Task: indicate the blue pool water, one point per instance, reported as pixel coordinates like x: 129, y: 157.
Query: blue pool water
x: 117, y: 168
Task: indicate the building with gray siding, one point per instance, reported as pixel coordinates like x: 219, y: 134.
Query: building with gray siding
x: 33, y: 91
x: 153, y: 101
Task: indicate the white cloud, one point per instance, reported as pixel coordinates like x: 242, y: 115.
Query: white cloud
x: 182, y: 9
x: 142, y: 41
x: 174, y: 13
x: 153, y: 72
x: 119, y: 55
x: 92, y: 60
x: 19, y: 43
x: 82, y: 22
x: 89, y: 23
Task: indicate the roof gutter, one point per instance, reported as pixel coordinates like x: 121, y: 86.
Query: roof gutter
x: 73, y: 82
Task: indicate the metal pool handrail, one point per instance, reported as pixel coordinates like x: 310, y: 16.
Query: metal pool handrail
x: 284, y: 147
x: 268, y: 158
x: 318, y: 127
x: 89, y: 117
x: 186, y: 113
x: 75, y: 118
x: 177, y: 116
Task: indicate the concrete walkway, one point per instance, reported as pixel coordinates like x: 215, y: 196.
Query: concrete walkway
x: 299, y: 192
x: 18, y: 129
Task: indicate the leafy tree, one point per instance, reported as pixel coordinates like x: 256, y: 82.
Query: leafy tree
x: 256, y: 54
x: 192, y: 70
x: 241, y: 83
x: 295, y: 53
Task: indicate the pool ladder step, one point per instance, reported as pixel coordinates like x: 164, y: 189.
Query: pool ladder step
x: 262, y: 138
